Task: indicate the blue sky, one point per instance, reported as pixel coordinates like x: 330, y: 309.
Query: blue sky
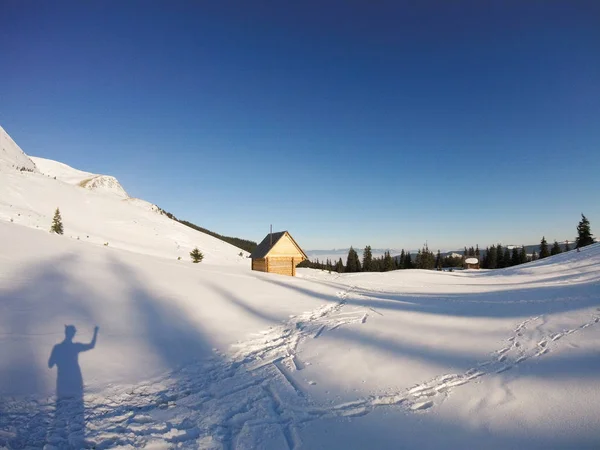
x: 345, y: 122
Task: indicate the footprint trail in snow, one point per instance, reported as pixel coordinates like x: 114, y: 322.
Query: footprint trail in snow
x: 233, y: 403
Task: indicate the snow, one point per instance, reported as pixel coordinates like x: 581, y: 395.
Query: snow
x: 216, y: 356
x: 11, y: 156
x: 471, y: 260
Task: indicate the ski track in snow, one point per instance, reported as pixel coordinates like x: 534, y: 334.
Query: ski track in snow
x: 238, y: 402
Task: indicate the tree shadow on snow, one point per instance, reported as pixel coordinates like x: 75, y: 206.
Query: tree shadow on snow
x: 514, y: 302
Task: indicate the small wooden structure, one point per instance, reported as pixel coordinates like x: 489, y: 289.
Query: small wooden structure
x: 278, y: 253
x: 471, y: 263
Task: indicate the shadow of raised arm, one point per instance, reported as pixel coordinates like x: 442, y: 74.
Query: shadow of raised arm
x: 92, y: 344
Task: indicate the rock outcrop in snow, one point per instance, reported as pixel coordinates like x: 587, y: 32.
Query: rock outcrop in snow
x: 87, y: 180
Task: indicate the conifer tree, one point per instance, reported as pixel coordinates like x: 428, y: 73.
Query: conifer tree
x: 567, y: 247
x: 388, y: 262
x: 408, y: 261
x: 524, y: 258
x: 544, y: 252
x: 555, y: 250
x: 438, y: 260
x: 506, y: 257
x: 339, y: 267
x: 367, y: 259
x: 500, y: 264
x: 584, y: 233
x: 492, y: 258
x: 352, y: 263
x: 402, y: 262
x: 196, y: 255
x: 57, y: 226
x: 534, y: 256
x: 516, y: 257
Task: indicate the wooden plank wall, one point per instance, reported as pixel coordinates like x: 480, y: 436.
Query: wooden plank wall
x: 259, y: 264
x: 284, y: 247
x: 281, y: 266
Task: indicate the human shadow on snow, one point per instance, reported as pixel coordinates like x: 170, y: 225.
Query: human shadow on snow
x: 69, y: 424
x: 26, y: 309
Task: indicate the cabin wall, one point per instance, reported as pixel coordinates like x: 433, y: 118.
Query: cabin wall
x: 285, y: 247
x: 259, y: 264
x: 281, y: 266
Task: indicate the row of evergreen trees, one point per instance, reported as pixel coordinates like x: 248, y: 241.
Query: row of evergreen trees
x: 495, y: 257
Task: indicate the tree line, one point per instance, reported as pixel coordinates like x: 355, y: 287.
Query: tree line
x: 496, y: 256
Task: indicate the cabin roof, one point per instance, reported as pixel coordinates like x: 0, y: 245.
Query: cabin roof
x: 265, y: 246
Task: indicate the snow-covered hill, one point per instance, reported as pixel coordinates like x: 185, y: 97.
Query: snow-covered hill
x: 91, y: 181
x: 11, y: 156
x: 96, y: 209
x: 216, y: 356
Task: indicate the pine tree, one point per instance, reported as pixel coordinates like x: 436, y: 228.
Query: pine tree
x: 516, y: 257
x: 438, y: 260
x: 408, y: 261
x: 500, y: 263
x: 367, y: 259
x: 352, y: 263
x: 567, y: 247
x: 492, y: 258
x: 57, y: 226
x: 555, y: 249
x: 544, y: 252
x: 523, y: 258
x: 388, y: 262
x: 584, y: 234
x: 402, y: 262
x: 506, y: 257
x: 196, y: 255
x: 339, y: 267
x: 534, y: 256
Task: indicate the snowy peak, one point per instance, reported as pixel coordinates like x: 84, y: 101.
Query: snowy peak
x: 87, y: 180
x: 104, y: 183
x: 11, y: 155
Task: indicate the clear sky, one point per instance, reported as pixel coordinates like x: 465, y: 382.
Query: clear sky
x: 345, y: 122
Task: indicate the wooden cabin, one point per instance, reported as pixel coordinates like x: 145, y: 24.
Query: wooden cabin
x: 278, y: 253
x: 471, y: 263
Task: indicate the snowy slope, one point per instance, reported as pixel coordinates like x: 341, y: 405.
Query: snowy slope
x: 96, y: 209
x: 11, y: 156
x: 91, y: 181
